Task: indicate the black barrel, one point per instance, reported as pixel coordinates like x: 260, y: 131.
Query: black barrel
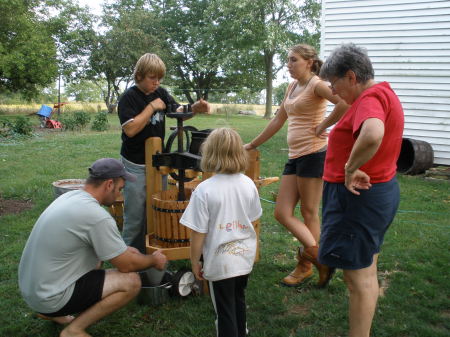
x: 416, y: 156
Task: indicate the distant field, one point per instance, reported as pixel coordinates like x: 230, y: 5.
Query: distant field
x: 28, y: 109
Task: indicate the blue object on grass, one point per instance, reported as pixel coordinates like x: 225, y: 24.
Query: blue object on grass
x: 44, y: 111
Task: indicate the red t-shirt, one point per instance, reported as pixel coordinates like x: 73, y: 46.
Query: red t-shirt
x: 379, y: 101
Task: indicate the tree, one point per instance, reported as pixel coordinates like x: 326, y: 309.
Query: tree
x: 27, y: 50
x: 85, y: 91
x: 185, y: 34
x: 199, y: 49
x: 279, y: 92
x: 41, y: 40
x: 130, y: 33
x: 72, y: 28
x: 265, y: 29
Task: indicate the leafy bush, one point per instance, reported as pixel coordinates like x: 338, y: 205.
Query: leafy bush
x: 82, y: 118
x: 16, y: 128
x: 5, y: 128
x: 77, y: 120
x: 22, y: 126
x: 68, y: 122
x: 100, y: 122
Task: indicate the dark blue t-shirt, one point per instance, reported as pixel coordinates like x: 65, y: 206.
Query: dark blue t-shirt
x: 131, y: 104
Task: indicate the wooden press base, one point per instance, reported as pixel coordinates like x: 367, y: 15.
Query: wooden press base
x: 177, y: 253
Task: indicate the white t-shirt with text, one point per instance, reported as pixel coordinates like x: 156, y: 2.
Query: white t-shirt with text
x: 224, y: 206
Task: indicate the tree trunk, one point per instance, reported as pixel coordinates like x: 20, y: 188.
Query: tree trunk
x: 188, y: 96
x: 268, y: 58
x: 109, y: 99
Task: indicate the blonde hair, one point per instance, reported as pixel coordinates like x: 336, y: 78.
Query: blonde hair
x: 308, y: 53
x: 223, y: 152
x: 149, y: 64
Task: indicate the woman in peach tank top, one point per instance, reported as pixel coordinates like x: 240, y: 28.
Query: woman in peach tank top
x: 304, y: 107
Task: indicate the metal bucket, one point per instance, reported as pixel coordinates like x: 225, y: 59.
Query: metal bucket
x: 154, y: 295
x: 152, y: 277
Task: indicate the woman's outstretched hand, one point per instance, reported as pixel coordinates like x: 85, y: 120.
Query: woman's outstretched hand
x: 249, y: 147
x: 201, y: 106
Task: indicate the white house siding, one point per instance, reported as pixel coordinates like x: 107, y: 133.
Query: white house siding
x: 408, y: 42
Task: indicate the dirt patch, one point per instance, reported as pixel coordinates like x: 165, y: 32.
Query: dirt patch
x: 299, y: 309
x: 12, y: 206
x: 384, y: 280
x: 445, y: 314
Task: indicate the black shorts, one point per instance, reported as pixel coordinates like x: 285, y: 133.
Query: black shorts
x: 88, y: 291
x: 309, y: 166
x: 353, y: 226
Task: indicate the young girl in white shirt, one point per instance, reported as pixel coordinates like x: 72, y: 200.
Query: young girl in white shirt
x: 220, y: 213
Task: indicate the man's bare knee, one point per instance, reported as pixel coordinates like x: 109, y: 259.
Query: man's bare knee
x: 132, y: 282
x: 116, y: 281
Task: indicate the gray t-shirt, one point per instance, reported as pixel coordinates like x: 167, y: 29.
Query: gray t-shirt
x: 68, y: 240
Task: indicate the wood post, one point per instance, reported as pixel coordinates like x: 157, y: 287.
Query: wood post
x: 253, y: 170
x: 257, y: 226
x: 153, y: 177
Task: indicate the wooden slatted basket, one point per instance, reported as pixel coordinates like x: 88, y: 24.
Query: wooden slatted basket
x: 167, y: 211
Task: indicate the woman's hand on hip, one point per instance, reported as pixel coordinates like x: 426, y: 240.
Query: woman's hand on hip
x: 319, y: 132
x: 357, y: 180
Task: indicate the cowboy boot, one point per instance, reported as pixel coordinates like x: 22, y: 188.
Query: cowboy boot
x: 302, y: 271
x: 325, y: 272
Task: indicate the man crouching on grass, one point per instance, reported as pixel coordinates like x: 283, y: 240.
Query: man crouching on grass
x: 59, y: 272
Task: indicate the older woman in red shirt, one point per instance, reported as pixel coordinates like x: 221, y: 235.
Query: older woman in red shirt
x: 361, y: 194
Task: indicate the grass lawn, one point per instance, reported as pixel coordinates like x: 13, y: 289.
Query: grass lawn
x: 413, y: 265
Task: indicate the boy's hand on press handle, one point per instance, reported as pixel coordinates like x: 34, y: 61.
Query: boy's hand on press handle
x: 158, y: 105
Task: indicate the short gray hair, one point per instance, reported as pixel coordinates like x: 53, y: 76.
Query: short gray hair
x: 348, y: 57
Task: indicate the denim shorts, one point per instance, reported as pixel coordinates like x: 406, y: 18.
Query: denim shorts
x: 353, y: 226
x: 308, y: 166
